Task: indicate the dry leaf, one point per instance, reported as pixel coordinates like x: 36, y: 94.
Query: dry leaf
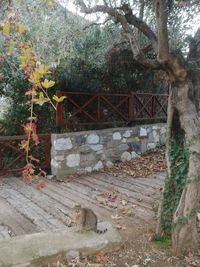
x: 116, y: 217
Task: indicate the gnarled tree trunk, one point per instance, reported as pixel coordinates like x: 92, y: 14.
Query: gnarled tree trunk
x: 184, y: 231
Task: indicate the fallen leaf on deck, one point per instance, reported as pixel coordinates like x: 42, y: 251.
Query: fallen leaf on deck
x: 116, y: 217
x: 124, y: 202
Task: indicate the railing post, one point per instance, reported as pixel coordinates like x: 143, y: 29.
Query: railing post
x: 131, y: 113
x: 153, y: 107
x: 59, y: 113
x: 98, y: 108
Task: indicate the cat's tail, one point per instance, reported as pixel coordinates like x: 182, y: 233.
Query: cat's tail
x: 101, y: 231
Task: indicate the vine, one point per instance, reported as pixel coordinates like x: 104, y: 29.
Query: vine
x: 38, y: 76
x: 179, y: 158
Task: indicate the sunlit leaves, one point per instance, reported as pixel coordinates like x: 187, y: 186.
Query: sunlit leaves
x: 21, y: 28
x: 35, y: 78
x: 48, y: 84
x: 26, y: 58
x: 41, y: 99
x: 42, y: 69
x: 50, y: 3
x: 11, y: 48
x: 6, y: 29
x: 59, y: 99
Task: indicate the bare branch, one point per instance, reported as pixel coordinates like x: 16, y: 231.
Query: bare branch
x: 125, y: 20
x: 96, y: 23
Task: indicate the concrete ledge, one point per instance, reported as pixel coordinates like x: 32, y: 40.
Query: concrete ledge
x: 27, y: 249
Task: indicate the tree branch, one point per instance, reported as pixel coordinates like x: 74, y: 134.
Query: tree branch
x: 127, y: 18
x: 96, y: 23
x: 140, y: 25
x: 163, y: 40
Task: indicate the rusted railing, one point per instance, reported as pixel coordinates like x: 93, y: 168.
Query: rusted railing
x: 110, y: 109
x: 12, y: 158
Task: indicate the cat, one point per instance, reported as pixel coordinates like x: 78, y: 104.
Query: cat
x: 86, y: 219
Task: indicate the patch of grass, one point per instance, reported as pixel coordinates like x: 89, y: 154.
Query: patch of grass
x: 163, y: 241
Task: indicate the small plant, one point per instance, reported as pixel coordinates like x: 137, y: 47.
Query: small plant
x: 163, y: 241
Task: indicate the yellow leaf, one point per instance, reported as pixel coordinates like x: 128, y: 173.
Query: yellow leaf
x: 59, y: 99
x: 6, y: 29
x: 50, y: 3
x: 41, y: 100
x: 21, y: 28
x: 26, y: 58
x: 47, y: 84
x: 11, y: 48
x: 43, y: 69
x: 35, y: 78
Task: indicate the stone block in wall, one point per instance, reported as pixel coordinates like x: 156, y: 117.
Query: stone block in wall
x: 150, y: 137
x: 93, y: 139
x: 85, y: 149
x: 62, y: 144
x: 113, y: 154
x: 117, y: 136
x: 80, y: 140
x: 136, y: 147
x: 156, y: 136
x: 133, y: 140
x: 88, y: 160
x: 151, y: 146
x: 122, y: 147
x: 143, y: 132
x: 73, y: 160
x: 126, y: 156
x: 127, y: 133
x: 143, y: 147
x: 98, y: 166
x: 103, y: 140
x: 97, y: 147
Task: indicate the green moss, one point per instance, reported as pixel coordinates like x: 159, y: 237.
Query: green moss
x: 163, y: 241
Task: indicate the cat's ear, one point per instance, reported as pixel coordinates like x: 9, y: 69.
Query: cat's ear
x: 77, y: 206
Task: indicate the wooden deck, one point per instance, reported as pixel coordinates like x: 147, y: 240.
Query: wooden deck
x: 25, y: 209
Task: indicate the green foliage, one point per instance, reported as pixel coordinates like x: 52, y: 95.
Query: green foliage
x: 179, y: 158
x: 13, y: 87
x: 163, y: 241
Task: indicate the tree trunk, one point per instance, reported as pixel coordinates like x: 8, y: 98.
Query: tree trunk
x: 184, y: 231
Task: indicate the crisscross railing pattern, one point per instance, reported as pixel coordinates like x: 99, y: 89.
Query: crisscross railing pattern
x: 12, y: 158
x: 103, y: 109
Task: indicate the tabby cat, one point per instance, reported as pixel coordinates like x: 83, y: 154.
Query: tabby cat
x: 86, y: 219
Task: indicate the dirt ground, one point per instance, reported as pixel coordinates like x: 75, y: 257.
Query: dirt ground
x: 137, y: 250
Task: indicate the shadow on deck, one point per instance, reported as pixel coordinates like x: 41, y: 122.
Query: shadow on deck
x: 25, y: 209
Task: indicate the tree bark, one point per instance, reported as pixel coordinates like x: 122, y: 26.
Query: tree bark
x: 184, y: 231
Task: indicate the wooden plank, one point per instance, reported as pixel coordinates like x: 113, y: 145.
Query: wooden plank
x: 116, y: 185
x: 95, y: 183
x: 14, y: 221
x: 42, y: 200
x: 152, y: 183
x: 39, y: 217
x: 134, y: 182
x: 77, y: 198
x: 141, y: 192
x: 96, y: 194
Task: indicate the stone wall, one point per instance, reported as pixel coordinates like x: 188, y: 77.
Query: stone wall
x: 92, y: 150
